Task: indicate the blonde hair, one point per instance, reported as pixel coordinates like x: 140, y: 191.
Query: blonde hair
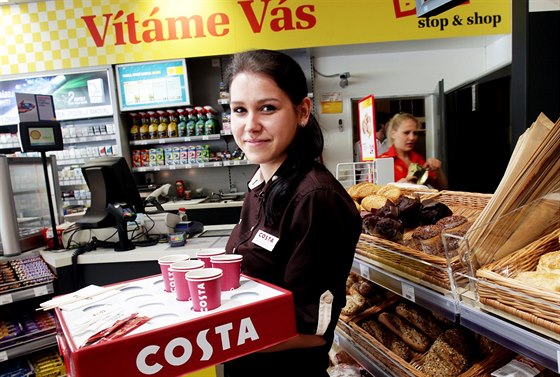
x: 396, y: 121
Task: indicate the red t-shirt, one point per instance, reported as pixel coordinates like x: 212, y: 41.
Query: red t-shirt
x: 401, y: 168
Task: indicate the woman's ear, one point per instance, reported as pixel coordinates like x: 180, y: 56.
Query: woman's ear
x: 304, y: 110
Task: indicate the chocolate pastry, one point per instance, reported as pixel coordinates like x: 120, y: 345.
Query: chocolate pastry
x: 388, y: 228
x: 432, y: 211
x: 388, y: 210
x: 409, y: 210
x: 368, y: 223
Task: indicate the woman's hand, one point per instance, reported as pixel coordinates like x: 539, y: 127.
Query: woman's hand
x: 432, y: 164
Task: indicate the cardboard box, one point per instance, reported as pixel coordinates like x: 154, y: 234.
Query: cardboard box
x: 177, y: 340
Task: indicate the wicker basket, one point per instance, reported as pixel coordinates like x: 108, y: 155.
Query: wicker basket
x: 400, y: 367
x: 431, y: 270
x: 497, y: 287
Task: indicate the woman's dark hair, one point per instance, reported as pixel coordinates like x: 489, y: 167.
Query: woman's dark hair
x: 307, y: 145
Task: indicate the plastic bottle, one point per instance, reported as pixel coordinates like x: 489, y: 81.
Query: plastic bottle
x: 182, y: 212
x: 163, y: 124
x: 211, y: 124
x: 200, y: 122
x: 182, y: 124
x: 144, y: 126
x: 153, y: 127
x: 172, y: 126
x: 191, y: 121
x: 135, y: 128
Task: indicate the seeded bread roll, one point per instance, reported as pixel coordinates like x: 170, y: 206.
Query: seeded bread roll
x: 390, y: 192
x: 388, y: 339
x: 422, y: 319
x: 454, y: 347
x: 408, y: 333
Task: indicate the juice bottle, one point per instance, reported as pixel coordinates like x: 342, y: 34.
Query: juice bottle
x: 182, y: 125
x: 163, y: 124
x: 153, y: 127
x: 172, y: 126
x: 144, y: 126
x: 135, y: 128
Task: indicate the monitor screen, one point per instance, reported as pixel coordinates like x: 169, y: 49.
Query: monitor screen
x: 110, y: 181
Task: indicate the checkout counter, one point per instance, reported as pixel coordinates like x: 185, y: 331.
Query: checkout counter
x: 106, y: 266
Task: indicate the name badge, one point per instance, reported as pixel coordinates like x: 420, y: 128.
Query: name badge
x: 265, y: 240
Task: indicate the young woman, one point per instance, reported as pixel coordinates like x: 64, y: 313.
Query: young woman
x: 311, y: 222
x: 403, y: 132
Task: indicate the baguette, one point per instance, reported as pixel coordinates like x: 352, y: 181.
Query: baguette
x: 408, y: 333
x: 388, y: 339
x: 423, y: 320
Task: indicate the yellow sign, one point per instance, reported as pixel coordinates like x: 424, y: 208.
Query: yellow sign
x: 62, y: 34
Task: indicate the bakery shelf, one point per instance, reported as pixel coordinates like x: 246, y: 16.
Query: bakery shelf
x: 524, y: 341
x: 443, y: 305
x: 360, y: 355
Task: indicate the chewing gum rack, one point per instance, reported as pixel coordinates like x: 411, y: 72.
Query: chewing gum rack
x: 176, y: 340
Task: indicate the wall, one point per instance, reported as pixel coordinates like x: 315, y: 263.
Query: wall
x: 399, y: 69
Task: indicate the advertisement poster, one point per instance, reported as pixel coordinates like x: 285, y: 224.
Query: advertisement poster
x: 153, y: 85
x: 366, y: 114
x: 34, y: 107
x: 75, y: 95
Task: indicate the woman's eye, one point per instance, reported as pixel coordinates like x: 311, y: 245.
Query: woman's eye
x: 238, y: 110
x: 268, y: 108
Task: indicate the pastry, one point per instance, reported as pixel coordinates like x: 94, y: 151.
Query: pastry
x: 372, y: 202
x: 389, y: 229
x: 368, y: 223
x: 549, y: 262
x: 409, y: 210
x: 456, y: 225
x: 353, y: 306
x: 361, y: 190
x: 390, y: 192
x: 408, y: 333
x: 389, y: 209
x: 544, y: 280
x: 432, y: 211
x: 427, y: 238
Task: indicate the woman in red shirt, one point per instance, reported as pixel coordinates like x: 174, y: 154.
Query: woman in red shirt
x: 403, y: 133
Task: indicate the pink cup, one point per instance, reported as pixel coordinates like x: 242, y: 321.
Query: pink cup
x: 230, y: 264
x: 179, y: 270
x: 205, y: 288
x: 204, y: 255
x: 164, y: 263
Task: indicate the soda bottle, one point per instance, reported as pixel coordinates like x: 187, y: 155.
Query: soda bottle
x: 172, y: 126
x: 182, y: 125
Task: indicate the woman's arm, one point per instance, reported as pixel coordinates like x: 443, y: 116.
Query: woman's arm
x: 434, y: 165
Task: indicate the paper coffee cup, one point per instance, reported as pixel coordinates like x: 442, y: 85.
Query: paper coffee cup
x: 230, y: 264
x: 205, y: 288
x: 179, y: 270
x: 204, y: 255
x: 164, y: 263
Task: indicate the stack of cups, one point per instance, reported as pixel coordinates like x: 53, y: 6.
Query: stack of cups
x: 164, y: 263
x: 179, y: 270
x: 205, y: 255
x: 230, y: 264
x: 205, y: 288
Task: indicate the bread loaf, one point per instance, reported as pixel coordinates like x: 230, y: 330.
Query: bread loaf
x: 549, y: 262
x: 404, y: 330
x: 423, y: 320
x: 544, y: 280
x: 354, y: 305
x: 372, y: 202
x: 449, y: 355
x: 387, y: 338
x: 427, y: 238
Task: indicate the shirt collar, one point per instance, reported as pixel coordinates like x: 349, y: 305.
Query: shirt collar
x: 258, y: 179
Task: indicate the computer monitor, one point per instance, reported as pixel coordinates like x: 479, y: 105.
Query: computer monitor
x: 115, y: 199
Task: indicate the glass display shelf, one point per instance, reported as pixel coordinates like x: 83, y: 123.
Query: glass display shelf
x: 172, y: 140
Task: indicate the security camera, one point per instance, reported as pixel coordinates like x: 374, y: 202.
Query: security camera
x: 344, y: 79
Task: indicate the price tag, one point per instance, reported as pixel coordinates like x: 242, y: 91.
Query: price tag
x: 3, y: 356
x: 205, y: 137
x: 364, y: 271
x: 201, y: 165
x: 236, y: 162
x: 6, y: 299
x: 40, y: 291
x: 161, y: 141
x: 157, y: 168
x: 172, y: 167
x: 408, y: 292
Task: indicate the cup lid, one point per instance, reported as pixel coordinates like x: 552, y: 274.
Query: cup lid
x: 203, y: 274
